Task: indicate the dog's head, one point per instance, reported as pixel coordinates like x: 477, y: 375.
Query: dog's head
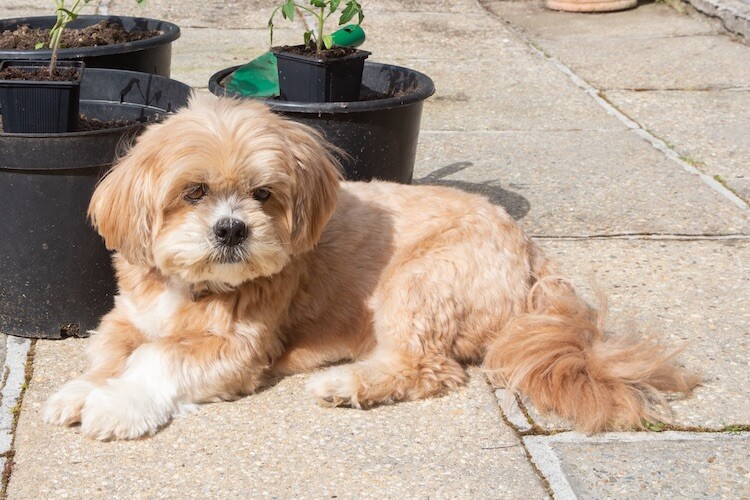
x: 222, y: 192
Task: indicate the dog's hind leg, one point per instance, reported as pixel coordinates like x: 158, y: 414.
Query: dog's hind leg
x: 386, y: 376
x: 415, y: 354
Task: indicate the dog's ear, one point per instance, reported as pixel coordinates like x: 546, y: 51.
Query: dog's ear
x: 316, y: 181
x: 122, y: 209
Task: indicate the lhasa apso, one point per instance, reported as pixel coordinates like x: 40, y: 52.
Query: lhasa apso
x: 242, y: 257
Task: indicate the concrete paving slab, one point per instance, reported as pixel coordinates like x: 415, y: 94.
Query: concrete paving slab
x: 688, y: 63
x: 254, y: 14
x: 194, y: 60
x: 21, y: 8
x: 15, y: 353
x: 277, y: 443
x: 419, y: 6
x: 734, y: 14
x: 520, y: 93
x: 3, y: 347
x: 578, y: 183
x: 694, y: 294
x: 709, y: 128
x: 741, y: 186
x: 439, y: 36
x: 645, y: 465
x: 227, y: 14
x: 648, y: 20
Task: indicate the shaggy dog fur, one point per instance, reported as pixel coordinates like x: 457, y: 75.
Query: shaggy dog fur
x: 242, y: 257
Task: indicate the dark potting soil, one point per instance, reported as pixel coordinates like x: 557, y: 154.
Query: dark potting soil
x: 86, y: 124
x: 39, y: 74
x: 102, y: 33
x: 311, y: 51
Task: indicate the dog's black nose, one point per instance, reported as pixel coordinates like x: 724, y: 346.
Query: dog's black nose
x: 230, y: 232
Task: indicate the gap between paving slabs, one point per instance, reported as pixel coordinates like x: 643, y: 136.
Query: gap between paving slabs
x: 17, y: 368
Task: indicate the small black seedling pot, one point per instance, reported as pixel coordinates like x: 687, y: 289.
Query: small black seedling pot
x: 313, y: 79
x: 40, y: 107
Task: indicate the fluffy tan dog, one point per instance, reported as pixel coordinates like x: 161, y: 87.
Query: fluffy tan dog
x: 241, y: 257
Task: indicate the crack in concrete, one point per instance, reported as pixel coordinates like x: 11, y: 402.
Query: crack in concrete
x: 646, y: 236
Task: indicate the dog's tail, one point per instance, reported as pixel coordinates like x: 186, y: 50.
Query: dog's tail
x: 557, y: 354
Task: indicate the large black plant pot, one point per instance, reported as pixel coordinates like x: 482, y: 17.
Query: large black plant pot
x: 379, y: 135
x: 153, y: 55
x: 56, y: 275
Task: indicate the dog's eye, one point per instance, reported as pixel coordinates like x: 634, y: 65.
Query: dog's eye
x: 261, y: 194
x: 196, y: 193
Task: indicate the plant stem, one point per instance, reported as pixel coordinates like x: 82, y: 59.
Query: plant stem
x: 54, y: 42
x: 63, y: 18
x: 321, y: 23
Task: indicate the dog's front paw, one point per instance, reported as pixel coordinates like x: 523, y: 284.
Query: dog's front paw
x: 64, y: 406
x: 120, y: 410
x: 335, y: 386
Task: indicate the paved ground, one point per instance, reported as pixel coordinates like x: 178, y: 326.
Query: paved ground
x: 619, y: 141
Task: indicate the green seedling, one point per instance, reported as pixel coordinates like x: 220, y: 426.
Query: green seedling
x: 64, y: 16
x: 321, y: 10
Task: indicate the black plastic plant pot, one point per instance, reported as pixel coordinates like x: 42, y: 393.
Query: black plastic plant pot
x: 152, y: 55
x: 40, y: 107
x: 311, y: 79
x: 57, y: 277
x: 379, y: 135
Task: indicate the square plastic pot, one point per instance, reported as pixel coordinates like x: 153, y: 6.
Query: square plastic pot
x: 40, y: 107
x: 307, y: 79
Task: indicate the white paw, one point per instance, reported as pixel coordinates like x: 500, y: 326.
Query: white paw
x: 124, y: 410
x: 64, y: 406
x: 334, y: 386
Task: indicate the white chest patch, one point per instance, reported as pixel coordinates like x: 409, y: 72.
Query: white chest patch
x: 153, y: 318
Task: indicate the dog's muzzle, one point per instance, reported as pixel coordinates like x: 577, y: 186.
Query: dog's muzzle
x: 230, y: 232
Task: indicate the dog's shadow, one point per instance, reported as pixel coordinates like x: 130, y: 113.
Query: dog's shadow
x: 515, y: 204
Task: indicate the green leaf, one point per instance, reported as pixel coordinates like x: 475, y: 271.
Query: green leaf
x: 308, y: 37
x: 38, y: 45
x: 318, y: 3
x: 334, y: 5
x: 288, y: 10
x: 328, y: 41
x: 348, y: 13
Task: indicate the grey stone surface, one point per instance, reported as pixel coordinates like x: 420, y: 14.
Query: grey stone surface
x: 278, y: 443
x: 15, y: 354
x: 194, y: 59
x: 578, y: 183
x: 522, y: 93
x: 3, y: 348
x: 650, y: 48
x: 734, y: 14
x: 655, y: 19
x: 670, y: 465
x: 691, y: 294
x: 688, y: 63
x: 225, y: 14
x: 648, y: 20
x: 710, y: 128
x: 477, y: 35
x: 22, y: 8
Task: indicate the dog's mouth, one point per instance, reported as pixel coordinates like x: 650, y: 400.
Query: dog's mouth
x: 229, y: 255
